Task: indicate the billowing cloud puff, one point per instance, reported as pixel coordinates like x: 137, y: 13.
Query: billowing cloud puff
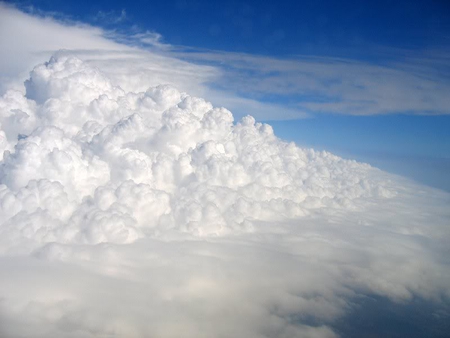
x: 155, y: 214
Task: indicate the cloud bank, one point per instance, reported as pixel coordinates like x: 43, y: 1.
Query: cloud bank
x: 154, y: 214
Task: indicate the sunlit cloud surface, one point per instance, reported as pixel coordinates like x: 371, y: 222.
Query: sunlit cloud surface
x: 130, y: 207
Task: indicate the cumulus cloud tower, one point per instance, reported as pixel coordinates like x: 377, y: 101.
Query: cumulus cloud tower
x: 94, y: 177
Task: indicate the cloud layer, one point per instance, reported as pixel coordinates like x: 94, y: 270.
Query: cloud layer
x: 414, y: 84
x: 155, y: 214
x: 269, y: 88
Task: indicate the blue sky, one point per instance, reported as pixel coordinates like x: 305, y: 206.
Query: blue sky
x: 273, y: 27
x: 325, y: 61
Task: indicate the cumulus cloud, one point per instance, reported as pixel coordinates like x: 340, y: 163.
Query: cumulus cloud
x: 155, y: 214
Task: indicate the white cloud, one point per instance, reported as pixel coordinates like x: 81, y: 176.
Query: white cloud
x: 151, y: 213
x: 27, y: 40
x: 120, y: 56
x: 265, y: 87
x: 129, y: 208
x: 151, y: 38
x: 111, y: 17
x: 415, y: 85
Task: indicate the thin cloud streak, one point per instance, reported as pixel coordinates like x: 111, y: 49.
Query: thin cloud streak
x: 336, y: 85
x: 266, y: 87
x: 113, y: 52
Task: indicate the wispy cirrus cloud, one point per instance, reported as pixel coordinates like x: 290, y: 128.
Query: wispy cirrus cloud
x: 111, y: 17
x: 411, y: 82
x: 153, y: 61
x: 416, y: 84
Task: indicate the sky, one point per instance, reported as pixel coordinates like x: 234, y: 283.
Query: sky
x: 374, y: 59
x: 198, y: 169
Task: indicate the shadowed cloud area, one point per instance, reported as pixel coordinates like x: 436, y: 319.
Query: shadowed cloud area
x: 154, y: 214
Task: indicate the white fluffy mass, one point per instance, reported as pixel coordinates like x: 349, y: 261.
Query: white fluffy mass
x: 154, y: 214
